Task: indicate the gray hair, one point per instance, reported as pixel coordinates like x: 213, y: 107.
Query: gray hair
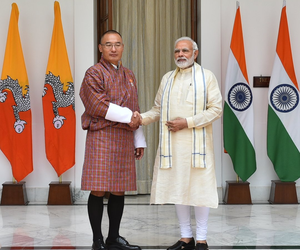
x: 184, y: 38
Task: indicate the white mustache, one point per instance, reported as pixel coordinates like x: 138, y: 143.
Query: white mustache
x: 180, y: 58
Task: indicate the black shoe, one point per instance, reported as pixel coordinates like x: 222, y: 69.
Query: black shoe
x: 99, y: 245
x: 182, y: 245
x: 120, y: 243
x: 202, y: 246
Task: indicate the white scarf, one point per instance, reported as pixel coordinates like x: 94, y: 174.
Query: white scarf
x: 198, y: 151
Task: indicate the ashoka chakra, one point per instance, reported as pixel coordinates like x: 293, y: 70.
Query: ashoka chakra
x: 240, y: 96
x: 284, y: 98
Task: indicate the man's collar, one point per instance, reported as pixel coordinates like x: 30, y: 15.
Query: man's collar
x: 115, y: 66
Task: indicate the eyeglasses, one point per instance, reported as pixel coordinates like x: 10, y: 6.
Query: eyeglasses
x: 111, y: 45
x: 184, y: 51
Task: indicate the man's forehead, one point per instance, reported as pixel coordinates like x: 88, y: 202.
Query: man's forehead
x: 111, y: 37
x: 185, y: 43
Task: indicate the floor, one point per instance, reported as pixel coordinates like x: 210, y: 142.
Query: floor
x: 258, y: 226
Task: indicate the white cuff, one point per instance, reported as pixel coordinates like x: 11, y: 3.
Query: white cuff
x: 117, y: 113
x: 139, y: 138
x: 190, y: 122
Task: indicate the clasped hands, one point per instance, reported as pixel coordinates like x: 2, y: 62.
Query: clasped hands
x: 136, y: 120
x: 176, y: 124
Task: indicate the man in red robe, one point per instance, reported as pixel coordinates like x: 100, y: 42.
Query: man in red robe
x: 114, y: 139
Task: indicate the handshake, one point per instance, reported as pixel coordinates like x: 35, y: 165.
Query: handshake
x: 136, y: 120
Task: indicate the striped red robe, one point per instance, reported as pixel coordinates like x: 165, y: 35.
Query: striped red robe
x: 109, y: 163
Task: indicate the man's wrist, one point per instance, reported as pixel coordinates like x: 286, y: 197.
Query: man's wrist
x: 190, y: 122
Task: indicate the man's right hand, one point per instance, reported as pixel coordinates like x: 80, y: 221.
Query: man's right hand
x: 136, y: 120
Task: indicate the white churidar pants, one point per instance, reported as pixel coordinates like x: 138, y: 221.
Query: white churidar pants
x: 184, y: 218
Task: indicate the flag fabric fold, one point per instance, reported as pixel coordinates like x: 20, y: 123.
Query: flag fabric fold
x: 15, y: 111
x: 283, y: 134
x: 59, y: 102
x: 238, y: 107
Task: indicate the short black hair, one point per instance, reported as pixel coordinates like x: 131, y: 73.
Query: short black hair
x: 109, y: 32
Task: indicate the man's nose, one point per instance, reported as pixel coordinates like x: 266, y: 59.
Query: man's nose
x: 180, y: 53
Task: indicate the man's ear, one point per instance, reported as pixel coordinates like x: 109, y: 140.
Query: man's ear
x: 196, y: 54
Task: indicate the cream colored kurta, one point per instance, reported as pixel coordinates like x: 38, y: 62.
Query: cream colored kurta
x: 182, y: 184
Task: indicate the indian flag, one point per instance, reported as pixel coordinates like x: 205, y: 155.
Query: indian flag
x: 283, y: 136
x: 238, y: 107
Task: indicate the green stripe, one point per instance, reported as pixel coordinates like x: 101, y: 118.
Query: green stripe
x: 238, y: 145
x: 281, y: 149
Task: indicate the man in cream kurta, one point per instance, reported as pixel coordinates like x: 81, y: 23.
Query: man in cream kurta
x: 186, y: 104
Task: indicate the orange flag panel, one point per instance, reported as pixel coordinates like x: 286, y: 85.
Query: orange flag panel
x: 283, y: 48
x: 59, y: 102
x: 237, y: 39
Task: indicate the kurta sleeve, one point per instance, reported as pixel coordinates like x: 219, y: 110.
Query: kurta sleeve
x: 213, y: 106
x: 153, y: 114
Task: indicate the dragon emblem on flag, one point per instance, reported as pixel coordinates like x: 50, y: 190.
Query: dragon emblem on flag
x: 62, y: 98
x: 22, y: 102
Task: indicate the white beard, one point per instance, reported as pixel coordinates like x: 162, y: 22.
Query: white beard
x: 185, y: 64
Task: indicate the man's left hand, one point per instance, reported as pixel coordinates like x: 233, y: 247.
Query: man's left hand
x: 139, y: 152
x: 177, y: 124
